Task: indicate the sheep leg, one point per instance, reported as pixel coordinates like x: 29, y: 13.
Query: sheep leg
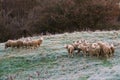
x: 111, y: 54
x: 70, y: 52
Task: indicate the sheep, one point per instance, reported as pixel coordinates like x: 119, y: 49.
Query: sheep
x: 84, y: 49
x: 36, y: 43
x: 81, y: 45
x: 8, y: 44
x: 112, y: 48
x: 94, y: 49
x: 70, y: 48
x: 40, y: 41
x: 107, y: 50
x: 27, y: 43
x: 11, y: 43
x: 19, y: 43
x: 75, y: 45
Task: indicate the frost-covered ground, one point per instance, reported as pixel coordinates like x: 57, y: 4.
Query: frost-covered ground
x: 51, y: 62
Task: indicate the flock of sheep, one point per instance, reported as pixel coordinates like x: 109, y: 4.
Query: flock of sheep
x: 98, y: 49
x: 24, y: 43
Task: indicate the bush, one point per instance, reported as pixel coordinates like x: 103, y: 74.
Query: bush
x: 56, y: 16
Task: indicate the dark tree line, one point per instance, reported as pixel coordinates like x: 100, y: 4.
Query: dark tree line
x: 28, y: 17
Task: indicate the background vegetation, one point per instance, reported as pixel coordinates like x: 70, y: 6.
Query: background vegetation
x: 56, y: 16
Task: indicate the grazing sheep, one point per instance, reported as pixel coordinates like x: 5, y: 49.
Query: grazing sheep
x: 27, y: 44
x: 106, y: 49
x: 84, y: 49
x: 11, y: 43
x: 70, y: 49
x: 81, y: 45
x: 19, y: 43
x: 75, y: 45
x: 8, y: 44
x: 40, y: 41
x: 112, y: 50
x: 36, y: 43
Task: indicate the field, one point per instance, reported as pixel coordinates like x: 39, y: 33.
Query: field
x: 51, y: 62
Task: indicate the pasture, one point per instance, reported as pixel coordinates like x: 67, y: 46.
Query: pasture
x: 51, y: 62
